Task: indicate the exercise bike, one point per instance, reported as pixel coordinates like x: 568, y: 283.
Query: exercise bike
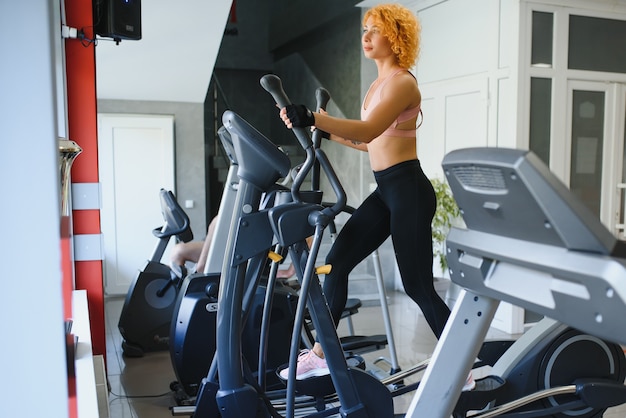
x: 147, y: 312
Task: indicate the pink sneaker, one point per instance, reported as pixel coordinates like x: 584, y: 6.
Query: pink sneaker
x: 309, y: 365
x: 470, y: 384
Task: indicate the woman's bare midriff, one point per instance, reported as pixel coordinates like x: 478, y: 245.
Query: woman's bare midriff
x: 387, y: 151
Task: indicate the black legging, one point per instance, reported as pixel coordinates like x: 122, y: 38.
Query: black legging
x: 402, y: 205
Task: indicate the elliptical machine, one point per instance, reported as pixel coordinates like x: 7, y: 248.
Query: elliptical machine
x: 192, y: 332
x: 192, y: 335
x: 225, y: 390
x: 150, y: 301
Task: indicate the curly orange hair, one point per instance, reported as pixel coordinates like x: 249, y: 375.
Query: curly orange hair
x: 401, y: 27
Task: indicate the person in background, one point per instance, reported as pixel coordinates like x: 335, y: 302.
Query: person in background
x: 193, y: 251
x: 198, y: 251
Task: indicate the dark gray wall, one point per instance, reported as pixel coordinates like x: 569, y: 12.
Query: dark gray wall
x: 327, y: 55
x: 308, y: 45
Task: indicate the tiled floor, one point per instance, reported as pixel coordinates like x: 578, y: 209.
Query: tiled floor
x: 140, y: 386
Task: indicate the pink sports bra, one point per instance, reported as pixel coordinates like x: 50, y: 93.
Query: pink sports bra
x: 407, y: 114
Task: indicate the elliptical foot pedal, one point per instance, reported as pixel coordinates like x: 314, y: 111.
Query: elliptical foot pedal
x: 487, y: 389
x: 363, y: 343
x: 320, y: 386
x: 601, y: 393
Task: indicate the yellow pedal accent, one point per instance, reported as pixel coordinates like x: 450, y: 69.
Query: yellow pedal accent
x: 275, y: 257
x: 325, y: 269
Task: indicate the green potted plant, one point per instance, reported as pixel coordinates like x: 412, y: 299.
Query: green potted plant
x: 446, y: 213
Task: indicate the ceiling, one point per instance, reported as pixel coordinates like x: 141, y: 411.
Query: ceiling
x: 174, y: 59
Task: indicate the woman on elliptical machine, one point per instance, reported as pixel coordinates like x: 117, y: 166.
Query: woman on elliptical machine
x: 404, y: 202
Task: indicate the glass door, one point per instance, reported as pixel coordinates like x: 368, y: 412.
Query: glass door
x: 594, y: 154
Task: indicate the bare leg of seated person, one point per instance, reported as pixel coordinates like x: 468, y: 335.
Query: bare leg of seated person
x: 186, y: 251
x: 205, y: 248
x: 193, y: 251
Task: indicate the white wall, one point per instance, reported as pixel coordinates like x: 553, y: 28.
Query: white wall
x: 467, y: 77
x: 457, y: 38
x: 174, y: 59
x: 32, y: 357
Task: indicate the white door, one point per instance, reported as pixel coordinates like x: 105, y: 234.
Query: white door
x: 136, y: 160
x: 594, y: 148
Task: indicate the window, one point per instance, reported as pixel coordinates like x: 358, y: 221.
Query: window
x: 596, y: 44
x: 540, y: 115
x: 541, y: 52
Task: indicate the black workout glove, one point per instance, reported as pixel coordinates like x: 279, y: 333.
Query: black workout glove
x: 300, y: 116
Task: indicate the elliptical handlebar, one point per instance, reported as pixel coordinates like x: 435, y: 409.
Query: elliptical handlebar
x: 273, y: 85
x: 322, y: 97
x: 340, y: 193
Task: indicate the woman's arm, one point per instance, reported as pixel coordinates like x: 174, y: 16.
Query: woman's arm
x: 361, y: 146
x: 400, y: 93
x: 348, y: 143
